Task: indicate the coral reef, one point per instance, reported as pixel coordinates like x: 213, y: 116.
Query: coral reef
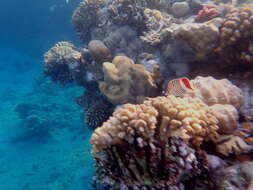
x: 207, y: 12
x: 235, y: 44
x: 213, y: 91
x: 99, y: 51
x: 61, y: 61
x: 235, y: 177
x: 130, y: 50
x: 85, y: 17
x: 126, y: 82
x: 135, y: 132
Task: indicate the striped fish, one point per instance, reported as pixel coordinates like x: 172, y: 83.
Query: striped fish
x: 180, y: 86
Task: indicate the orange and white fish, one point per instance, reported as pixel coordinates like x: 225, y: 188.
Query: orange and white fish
x: 180, y: 86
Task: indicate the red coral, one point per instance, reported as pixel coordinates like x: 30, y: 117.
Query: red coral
x: 207, y: 12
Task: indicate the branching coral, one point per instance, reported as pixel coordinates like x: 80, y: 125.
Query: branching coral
x: 138, y: 139
x: 61, y: 61
x: 155, y: 22
x: 126, y: 82
x: 236, y: 36
x: 126, y: 12
x: 86, y: 17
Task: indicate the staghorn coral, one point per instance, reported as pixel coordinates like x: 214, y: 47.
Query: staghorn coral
x: 86, y: 16
x: 213, y: 91
x: 61, y: 62
x: 235, y: 44
x: 126, y: 82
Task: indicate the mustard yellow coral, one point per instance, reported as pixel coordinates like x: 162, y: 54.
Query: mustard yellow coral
x: 160, y: 118
x: 126, y: 82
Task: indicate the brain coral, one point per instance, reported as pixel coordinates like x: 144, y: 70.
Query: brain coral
x: 126, y: 82
x: 61, y: 62
x: 137, y: 138
x: 235, y: 45
x: 213, y: 91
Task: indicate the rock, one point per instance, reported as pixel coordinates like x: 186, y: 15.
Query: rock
x: 180, y: 9
x: 195, y: 6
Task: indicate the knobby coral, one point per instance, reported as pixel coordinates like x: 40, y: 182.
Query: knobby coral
x: 138, y: 139
x: 236, y: 36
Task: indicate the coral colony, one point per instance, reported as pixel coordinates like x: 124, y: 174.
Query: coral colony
x: 168, y: 89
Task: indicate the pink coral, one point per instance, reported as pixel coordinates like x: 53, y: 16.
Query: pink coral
x: 207, y: 13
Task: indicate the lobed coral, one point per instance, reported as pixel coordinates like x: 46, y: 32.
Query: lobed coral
x: 235, y: 44
x: 99, y: 51
x: 213, y: 91
x: 191, y: 33
x: 126, y: 82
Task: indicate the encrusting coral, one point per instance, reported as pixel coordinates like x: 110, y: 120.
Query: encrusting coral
x: 126, y: 82
x: 235, y: 44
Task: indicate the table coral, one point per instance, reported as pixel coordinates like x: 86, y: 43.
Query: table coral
x: 126, y: 82
x: 235, y: 44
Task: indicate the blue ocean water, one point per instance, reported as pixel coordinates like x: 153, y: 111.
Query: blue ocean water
x: 44, y: 143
